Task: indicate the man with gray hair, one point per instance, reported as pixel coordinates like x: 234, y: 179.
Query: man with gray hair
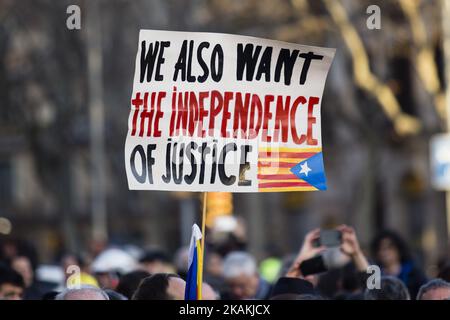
x: 242, y: 278
x: 85, y: 292
x: 391, y: 288
x: 436, y: 289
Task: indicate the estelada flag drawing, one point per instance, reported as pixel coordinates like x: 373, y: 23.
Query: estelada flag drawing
x: 195, y: 261
x: 218, y: 112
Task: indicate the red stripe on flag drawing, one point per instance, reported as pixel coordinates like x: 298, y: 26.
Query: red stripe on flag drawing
x: 296, y: 155
x: 276, y: 164
x: 283, y: 184
x: 277, y: 177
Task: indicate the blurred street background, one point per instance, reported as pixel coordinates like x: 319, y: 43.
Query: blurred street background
x: 63, y: 185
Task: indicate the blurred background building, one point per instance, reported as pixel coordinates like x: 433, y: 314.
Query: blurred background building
x: 383, y: 101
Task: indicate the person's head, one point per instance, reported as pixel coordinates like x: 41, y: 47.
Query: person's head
x: 388, y: 248
x: 287, y: 288
x: 11, y: 284
x: 130, y: 282
x: 436, y: 289
x: 107, y: 279
x: 109, y: 265
x: 22, y: 265
x: 161, y: 286
x: 181, y: 261
x: 214, y: 264
x: 155, y: 261
x: 391, y: 288
x: 83, y: 293
x: 12, y: 248
x: 114, y: 295
x: 240, y: 274
x: 69, y: 260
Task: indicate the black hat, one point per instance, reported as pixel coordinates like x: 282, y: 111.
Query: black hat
x: 292, y: 286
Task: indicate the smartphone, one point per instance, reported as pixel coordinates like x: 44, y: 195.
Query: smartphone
x: 329, y: 238
x: 313, y: 266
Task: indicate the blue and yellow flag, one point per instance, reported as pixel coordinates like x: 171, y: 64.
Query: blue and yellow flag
x: 194, y: 275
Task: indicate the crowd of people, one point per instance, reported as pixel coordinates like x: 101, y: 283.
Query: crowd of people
x: 316, y: 272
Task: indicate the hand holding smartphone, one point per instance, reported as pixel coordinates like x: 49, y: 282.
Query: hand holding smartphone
x: 329, y: 238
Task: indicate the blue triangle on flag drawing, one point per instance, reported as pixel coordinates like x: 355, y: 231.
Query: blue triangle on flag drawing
x: 312, y: 171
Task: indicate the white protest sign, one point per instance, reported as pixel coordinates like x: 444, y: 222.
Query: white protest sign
x: 219, y: 112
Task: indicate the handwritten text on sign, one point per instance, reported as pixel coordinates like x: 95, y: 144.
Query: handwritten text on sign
x: 217, y: 112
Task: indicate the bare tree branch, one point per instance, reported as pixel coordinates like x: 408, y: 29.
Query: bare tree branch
x: 424, y: 59
x: 404, y: 124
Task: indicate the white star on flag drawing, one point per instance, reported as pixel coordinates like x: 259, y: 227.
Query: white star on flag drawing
x: 305, y: 169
